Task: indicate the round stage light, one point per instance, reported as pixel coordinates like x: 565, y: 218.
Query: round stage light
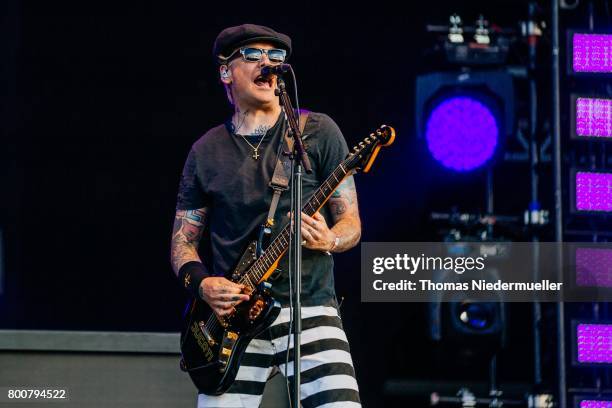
x: 462, y: 133
x: 476, y: 316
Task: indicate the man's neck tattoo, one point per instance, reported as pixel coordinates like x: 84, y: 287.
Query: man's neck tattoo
x: 260, y: 130
x: 235, y: 128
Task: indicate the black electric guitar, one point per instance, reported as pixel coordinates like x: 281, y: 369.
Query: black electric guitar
x: 212, y: 347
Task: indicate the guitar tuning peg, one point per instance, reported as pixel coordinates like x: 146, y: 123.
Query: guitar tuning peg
x: 368, y: 141
x: 356, y: 149
x: 361, y: 144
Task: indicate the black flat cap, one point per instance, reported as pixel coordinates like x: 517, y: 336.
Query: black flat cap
x: 233, y: 38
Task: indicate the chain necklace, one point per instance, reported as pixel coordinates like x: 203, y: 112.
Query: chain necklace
x: 255, y: 155
x: 262, y: 129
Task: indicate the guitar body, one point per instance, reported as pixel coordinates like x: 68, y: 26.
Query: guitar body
x: 212, y: 348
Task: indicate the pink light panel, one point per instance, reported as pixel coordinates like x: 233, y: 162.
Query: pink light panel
x: 594, y: 343
x: 592, y: 53
x: 593, y: 191
x: 595, y: 404
x: 594, y: 267
x: 594, y: 117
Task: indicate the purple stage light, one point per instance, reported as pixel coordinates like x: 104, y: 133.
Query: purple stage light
x: 594, y: 267
x: 594, y: 343
x: 594, y: 117
x: 593, y: 191
x: 462, y: 133
x: 595, y: 404
x: 592, y: 53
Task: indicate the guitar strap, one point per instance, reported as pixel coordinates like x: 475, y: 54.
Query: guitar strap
x: 280, y: 178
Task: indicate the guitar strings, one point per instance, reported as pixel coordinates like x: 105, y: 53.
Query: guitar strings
x: 261, y: 266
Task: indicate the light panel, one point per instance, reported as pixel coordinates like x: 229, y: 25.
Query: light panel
x: 595, y: 404
x: 593, y: 117
x: 593, y: 191
x: 462, y: 132
x: 594, y: 343
x: 592, y: 53
x: 594, y: 267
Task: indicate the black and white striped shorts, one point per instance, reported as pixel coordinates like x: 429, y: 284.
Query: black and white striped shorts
x: 327, y: 373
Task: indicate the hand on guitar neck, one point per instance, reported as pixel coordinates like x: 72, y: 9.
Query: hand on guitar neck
x: 221, y: 294
x: 316, y: 234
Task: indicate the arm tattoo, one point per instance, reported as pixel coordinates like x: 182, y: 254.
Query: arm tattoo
x: 344, y: 197
x: 186, y: 235
x: 345, y: 215
x: 338, y: 208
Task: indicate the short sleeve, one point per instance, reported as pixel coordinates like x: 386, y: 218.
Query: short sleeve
x: 190, y: 194
x: 332, y: 146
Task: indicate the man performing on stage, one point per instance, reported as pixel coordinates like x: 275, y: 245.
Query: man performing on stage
x: 224, y: 197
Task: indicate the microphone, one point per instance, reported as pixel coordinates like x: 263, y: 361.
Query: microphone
x: 275, y: 69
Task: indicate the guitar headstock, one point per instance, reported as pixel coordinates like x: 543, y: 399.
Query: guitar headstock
x: 367, y: 150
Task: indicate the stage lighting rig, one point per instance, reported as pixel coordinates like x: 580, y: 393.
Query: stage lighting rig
x: 464, y: 116
x: 461, y: 321
x: 455, y: 31
x: 472, y: 227
x: 481, y: 36
x: 480, y: 44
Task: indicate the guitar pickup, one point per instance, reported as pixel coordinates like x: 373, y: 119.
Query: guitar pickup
x: 206, y: 333
x: 227, y: 348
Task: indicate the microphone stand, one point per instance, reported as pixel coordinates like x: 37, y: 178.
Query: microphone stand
x: 299, y: 158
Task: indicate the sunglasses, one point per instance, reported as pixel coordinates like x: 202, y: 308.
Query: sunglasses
x: 250, y: 54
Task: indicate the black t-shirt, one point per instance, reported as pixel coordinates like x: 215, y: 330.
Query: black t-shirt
x: 221, y: 174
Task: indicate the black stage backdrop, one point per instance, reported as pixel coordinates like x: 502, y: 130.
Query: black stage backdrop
x: 101, y: 104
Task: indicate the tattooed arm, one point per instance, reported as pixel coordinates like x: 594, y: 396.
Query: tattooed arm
x: 221, y: 294
x: 345, y: 215
x: 188, y: 228
x: 346, y: 223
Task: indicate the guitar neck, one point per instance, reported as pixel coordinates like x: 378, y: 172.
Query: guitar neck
x: 259, y: 270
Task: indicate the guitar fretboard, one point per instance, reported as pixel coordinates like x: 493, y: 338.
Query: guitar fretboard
x: 280, y: 244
